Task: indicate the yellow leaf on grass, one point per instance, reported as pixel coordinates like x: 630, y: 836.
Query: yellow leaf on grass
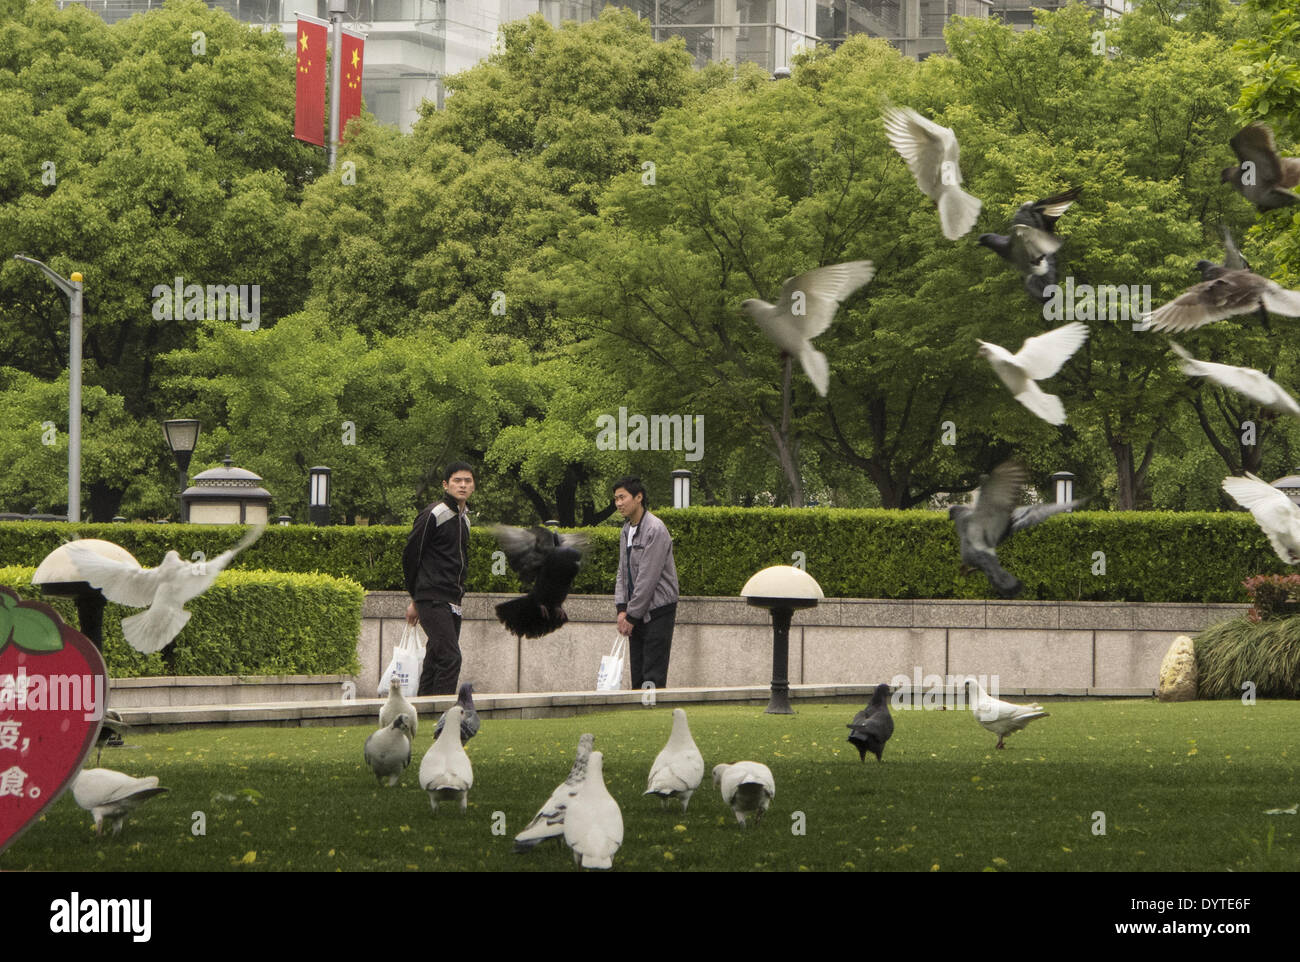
x: 249, y: 858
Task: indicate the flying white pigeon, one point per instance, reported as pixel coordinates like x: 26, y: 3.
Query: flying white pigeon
x: 109, y: 794
x: 397, y: 705
x: 807, y: 307
x: 549, y: 820
x: 748, y: 787
x: 445, y: 771
x: 1273, y: 511
x: 388, y: 751
x: 593, y: 825
x: 1251, y: 384
x: 931, y: 153
x: 679, y: 768
x: 163, y: 590
x: 1039, y: 357
x: 1000, y: 717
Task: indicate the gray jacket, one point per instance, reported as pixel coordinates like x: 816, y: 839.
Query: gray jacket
x: 654, y: 574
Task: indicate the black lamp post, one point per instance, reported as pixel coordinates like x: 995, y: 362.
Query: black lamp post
x: 781, y: 589
x: 182, y: 435
x: 320, y: 495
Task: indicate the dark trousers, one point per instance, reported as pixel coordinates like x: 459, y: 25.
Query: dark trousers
x: 442, y: 653
x: 649, y: 646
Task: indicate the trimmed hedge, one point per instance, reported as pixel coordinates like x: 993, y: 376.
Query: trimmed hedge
x: 248, y: 623
x: 866, y: 553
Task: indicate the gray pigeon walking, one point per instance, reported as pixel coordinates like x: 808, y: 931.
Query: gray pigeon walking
x: 807, y: 307
x: 872, y: 726
x: 932, y: 154
x: 549, y: 820
x: 994, y: 518
x: 388, y: 751
x: 1032, y: 244
x: 469, y: 722
x: 1262, y: 177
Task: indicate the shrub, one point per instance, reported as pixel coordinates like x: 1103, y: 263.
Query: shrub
x: 1233, y: 652
x: 248, y: 623
x: 1272, y: 596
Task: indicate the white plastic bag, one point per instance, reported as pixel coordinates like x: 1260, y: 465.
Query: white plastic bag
x: 610, y: 677
x: 408, y: 660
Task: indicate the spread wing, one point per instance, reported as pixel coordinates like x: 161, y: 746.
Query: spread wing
x: 120, y: 582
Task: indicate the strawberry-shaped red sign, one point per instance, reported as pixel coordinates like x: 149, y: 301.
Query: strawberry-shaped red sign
x: 52, y: 688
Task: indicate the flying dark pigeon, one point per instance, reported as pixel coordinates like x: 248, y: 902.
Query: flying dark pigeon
x: 1262, y: 177
x: 1232, y: 260
x: 469, y: 723
x: 548, y: 561
x: 872, y: 726
x: 931, y: 153
x: 994, y: 518
x: 807, y: 306
x: 1228, y: 294
x: 1032, y: 244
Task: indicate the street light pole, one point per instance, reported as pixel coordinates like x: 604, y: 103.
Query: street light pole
x: 72, y: 287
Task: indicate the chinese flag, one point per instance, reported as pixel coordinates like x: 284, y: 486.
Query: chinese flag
x: 309, y: 111
x: 354, y: 46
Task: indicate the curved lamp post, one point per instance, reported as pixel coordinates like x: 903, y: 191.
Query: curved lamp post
x: 781, y: 589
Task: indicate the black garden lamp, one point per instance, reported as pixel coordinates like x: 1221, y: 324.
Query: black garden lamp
x: 182, y: 435
x: 781, y: 589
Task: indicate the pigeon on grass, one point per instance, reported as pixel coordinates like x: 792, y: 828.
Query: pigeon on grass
x: 593, y: 824
x: 1000, y: 717
x: 469, y: 722
x: 445, y: 771
x: 549, y: 820
x: 164, y: 590
x: 1262, y: 177
x: 747, y: 787
x: 107, y: 794
x: 546, y: 560
x: 397, y: 706
x: 1032, y: 244
x: 807, y: 306
x: 1251, y: 384
x: 1273, y: 511
x: 112, y: 731
x: 872, y: 726
x: 679, y: 768
x: 993, y: 518
x: 1039, y: 357
x: 388, y: 751
x: 931, y: 153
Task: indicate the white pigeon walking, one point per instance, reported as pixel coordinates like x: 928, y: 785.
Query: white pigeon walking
x: 748, y: 787
x: 164, y: 590
x: 807, y: 307
x: 445, y: 771
x: 1000, y: 717
x: 388, y: 751
x: 398, y: 705
x: 1039, y: 357
x: 1276, y: 516
x: 1251, y: 384
x: 107, y: 794
x: 679, y: 768
x: 549, y: 820
x: 932, y: 154
x: 593, y: 825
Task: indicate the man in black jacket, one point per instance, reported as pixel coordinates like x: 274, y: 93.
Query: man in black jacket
x: 435, y: 565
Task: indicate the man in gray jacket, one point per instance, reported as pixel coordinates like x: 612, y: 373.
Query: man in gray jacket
x: 646, y: 591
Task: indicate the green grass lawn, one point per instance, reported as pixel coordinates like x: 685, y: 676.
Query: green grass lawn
x: 1183, y: 787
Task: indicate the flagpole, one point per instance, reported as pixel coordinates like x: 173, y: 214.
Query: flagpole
x: 337, y: 9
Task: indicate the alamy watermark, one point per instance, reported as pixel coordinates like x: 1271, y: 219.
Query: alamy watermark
x: 83, y: 693
x: 937, y: 692
x: 216, y: 302
x: 658, y: 432
x: 1105, y: 302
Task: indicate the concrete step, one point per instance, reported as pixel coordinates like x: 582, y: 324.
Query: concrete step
x: 560, y: 704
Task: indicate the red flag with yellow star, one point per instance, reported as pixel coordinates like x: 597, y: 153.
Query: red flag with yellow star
x: 309, y: 109
x: 352, y: 55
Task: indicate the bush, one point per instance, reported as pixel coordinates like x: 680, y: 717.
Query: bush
x: 248, y: 623
x: 1272, y: 596
x: 866, y: 553
x: 1233, y: 652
